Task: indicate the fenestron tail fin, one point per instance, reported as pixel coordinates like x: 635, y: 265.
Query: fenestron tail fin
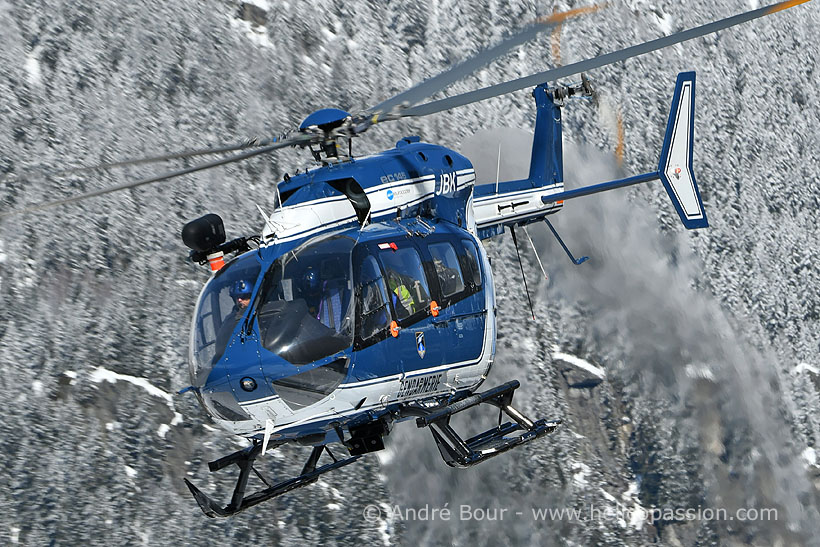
x: 516, y: 203
x: 675, y: 166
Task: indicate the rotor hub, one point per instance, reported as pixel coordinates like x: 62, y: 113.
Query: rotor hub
x: 326, y: 119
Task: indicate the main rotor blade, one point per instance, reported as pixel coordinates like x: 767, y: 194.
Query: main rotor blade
x: 293, y: 141
x: 435, y: 84
x: 140, y: 161
x: 589, y: 64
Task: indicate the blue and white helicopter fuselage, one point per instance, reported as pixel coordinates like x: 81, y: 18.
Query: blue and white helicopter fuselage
x: 369, y: 298
x: 418, y: 199
x: 430, y: 356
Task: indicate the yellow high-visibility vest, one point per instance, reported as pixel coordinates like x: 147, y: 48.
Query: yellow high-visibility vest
x: 403, y: 295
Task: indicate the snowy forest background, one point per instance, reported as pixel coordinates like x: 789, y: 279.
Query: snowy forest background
x: 709, y: 340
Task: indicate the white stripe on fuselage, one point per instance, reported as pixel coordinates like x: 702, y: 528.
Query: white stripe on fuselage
x: 311, y: 217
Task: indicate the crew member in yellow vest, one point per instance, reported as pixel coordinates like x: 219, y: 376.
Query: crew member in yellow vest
x: 402, y: 297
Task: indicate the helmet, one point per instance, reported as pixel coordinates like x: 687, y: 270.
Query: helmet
x: 241, y: 288
x: 311, y: 279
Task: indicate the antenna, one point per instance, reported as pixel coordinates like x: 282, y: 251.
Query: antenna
x: 266, y: 217
x: 521, y: 264
x: 498, y: 167
x: 278, y: 197
x: 534, y: 250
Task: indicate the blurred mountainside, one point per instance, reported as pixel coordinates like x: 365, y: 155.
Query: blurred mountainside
x: 685, y: 365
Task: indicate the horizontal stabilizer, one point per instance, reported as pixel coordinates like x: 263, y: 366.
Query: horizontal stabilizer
x: 675, y: 166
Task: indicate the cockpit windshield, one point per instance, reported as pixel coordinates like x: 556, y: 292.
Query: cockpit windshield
x: 222, y: 304
x: 304, y: 309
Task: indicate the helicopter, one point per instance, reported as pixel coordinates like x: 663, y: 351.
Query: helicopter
x: 368, y: 298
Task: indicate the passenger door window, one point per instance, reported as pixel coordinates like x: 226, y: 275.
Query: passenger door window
x: 447, y: 268
x: 469, y: 263
x: 374, y: 314
x: 406, y: 282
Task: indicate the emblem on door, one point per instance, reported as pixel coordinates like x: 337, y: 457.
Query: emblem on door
x: 420, y: 347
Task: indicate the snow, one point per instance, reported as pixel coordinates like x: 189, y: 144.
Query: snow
x: 256, y: 34
x: 664, y: 23
x: 699, y: 371
x: 163, y: 430
x: 580, y: 472
x: 37, y: 387
x: 578, y: 362
x: 608, y: 496
x: 631, y: 492
x: 334, y: 506
x: 101, y: 374
x: 130, y: 471
x: 328, y: 34
x: 805, y: 367
x: 810, y: 456
x: 33, y: 67
x: 637, y: 516
x: 384, y: 525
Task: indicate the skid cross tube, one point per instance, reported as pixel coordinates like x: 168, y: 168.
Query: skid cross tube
x: 457, y: 452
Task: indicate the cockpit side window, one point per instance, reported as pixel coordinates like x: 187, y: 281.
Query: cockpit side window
x: 222, y: 304
x: 406, y: 282
x: 373, y: 316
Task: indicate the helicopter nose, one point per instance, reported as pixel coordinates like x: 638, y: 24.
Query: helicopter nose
x: 219, y: 399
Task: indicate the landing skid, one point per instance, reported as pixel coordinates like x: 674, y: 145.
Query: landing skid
x: 457, y: 452
x: 367, y: 433
x: 244, y: 459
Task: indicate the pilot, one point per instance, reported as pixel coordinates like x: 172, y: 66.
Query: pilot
x: 311, y: 289
x: 324, y: 294
x: 240, y: 292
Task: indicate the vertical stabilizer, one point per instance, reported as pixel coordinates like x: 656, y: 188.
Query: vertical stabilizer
x: 546, y: 165
x: 675, y: 166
